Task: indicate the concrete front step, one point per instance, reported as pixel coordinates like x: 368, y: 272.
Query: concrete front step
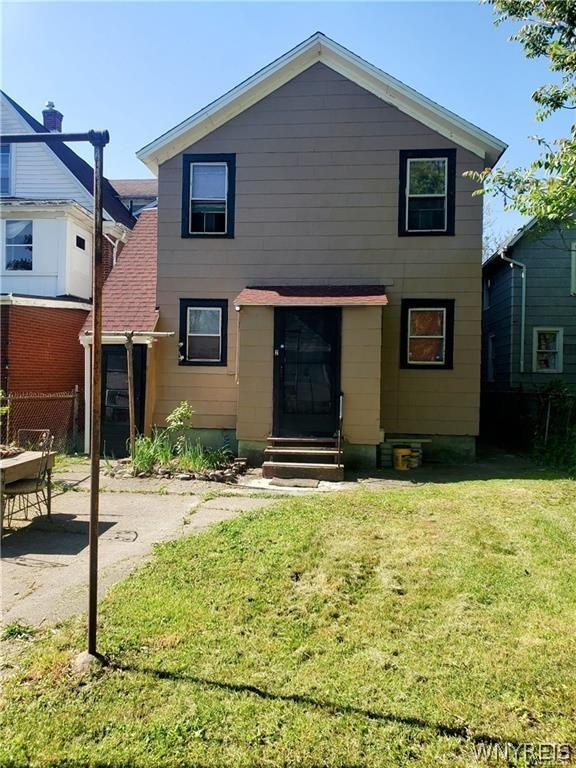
x: 293, y: 469
x: 302, y: 440
x: 304, y: 451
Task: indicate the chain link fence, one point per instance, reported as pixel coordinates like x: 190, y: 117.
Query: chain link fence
x: 57, y: 411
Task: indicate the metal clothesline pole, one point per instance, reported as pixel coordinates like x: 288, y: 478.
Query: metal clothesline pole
x: 98, y: 139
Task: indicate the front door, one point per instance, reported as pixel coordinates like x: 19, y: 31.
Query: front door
x: 306, y: 371
x: 115, y: 416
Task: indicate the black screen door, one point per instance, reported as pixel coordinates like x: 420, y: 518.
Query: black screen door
x: 115, y: 417
x: 306, y: 372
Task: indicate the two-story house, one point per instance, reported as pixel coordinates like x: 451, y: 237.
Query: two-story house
x: 529, y: 320
x: 319, y: 263
x: 46, y: 254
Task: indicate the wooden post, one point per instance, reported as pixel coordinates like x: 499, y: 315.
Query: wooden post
x: 131, y: 406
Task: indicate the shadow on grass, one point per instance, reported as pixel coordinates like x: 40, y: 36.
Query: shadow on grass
x: 463, y: 732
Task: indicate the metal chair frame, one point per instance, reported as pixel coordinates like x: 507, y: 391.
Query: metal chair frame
x: 35, y: 497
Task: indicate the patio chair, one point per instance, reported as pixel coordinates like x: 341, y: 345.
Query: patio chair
x: 31, y: 492
x: 31, y: 439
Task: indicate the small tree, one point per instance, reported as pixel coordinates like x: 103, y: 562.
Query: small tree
x: 178, y: 421
x: 546, y: 189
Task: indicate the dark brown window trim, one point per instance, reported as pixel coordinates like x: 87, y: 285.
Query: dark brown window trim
x: 185, y: 304
x: 448, y: 305
x: 407, y: 154
x: 230, y: 160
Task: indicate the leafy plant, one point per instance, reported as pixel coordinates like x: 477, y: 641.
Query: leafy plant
x: 546, y: 189
x: 555, y: 443
x: 18, y: 630
x: 179, y: 420
x: 194, y: 457
x: 152, y: 451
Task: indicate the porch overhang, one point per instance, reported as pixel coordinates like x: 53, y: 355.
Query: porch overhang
x: 312, y: 296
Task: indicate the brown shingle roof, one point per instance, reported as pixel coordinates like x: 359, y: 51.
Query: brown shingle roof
x: 129, y: 295
x: 136, y: 187
x: 312, y: 295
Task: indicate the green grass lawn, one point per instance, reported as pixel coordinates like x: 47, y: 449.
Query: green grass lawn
x: 360, y: 629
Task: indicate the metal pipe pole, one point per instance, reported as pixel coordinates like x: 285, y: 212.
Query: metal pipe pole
x: 95, y: 417
x: 98, y: 139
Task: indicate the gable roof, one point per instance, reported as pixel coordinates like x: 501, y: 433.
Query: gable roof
x: 135, y: 187
x: 129, y: 293
x: 80, y: 169
x: 319, y: 48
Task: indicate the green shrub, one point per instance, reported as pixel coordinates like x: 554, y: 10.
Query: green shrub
x: 196, y: 458
x: 153, y: 451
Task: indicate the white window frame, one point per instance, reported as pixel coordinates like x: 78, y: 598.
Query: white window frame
x: 443, y: 336
x: 8, y: 193
x: 573, y: 269
x: 5, y: 269
x: 212, y: 335
x: 214, y: 199
x: 559, y: 350
x: 408, y: 195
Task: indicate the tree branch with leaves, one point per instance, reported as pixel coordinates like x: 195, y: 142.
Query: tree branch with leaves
x: 545, y: 189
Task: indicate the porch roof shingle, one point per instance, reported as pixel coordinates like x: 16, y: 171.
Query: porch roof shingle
x: 312, y: 296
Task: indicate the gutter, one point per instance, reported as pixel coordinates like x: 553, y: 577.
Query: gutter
x: 513, y: 263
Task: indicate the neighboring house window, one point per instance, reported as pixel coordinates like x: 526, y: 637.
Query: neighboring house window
x: 80, y: 243
x: 547, y: 350
x: 5, y: 169
x: 209, y: 183
x: 203, y: 331
x: 487, y: 293
x: 491, y: 358
x: 573, y: 271
x: 427, y: 192
x: 427, y: 333
x: 18, y: 249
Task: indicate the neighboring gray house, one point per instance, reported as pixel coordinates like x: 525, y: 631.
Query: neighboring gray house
x: 529, y: 312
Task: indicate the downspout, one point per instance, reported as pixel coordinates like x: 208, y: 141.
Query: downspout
x: 114, y: 244
x: 513, y: 263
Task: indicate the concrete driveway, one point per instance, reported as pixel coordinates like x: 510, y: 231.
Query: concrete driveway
x: 44, y: 569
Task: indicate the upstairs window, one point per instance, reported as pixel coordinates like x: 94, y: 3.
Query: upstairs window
x: 547, y: 350
x: 208, y: 196
x: 427, y: 329
x: 18, y: 247
x: 203, y: 331
x: 5, y: 169
x: 427, y: 183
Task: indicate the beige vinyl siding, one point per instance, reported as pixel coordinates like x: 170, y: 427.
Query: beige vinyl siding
x: 317, y: 202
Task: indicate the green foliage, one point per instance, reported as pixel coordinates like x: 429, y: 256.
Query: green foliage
x: 195, y: 458
x: 178, y: 421
x: 546, y: 189
x: 158, y: 451
x: 555, y: 444
x: 153, y: 451
x: 18, y: 630
x: 4, y: 409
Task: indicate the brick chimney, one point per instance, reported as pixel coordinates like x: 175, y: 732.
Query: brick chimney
x: 52, y: 118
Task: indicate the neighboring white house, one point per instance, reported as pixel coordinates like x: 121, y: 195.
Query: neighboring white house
x: 46, y: 204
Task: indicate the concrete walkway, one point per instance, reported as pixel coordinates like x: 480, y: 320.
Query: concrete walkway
x: 44, y: 569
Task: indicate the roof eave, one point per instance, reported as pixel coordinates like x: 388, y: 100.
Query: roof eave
x: 319, y: 48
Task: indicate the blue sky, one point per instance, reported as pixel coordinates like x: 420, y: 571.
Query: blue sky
x: 138, y: 68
